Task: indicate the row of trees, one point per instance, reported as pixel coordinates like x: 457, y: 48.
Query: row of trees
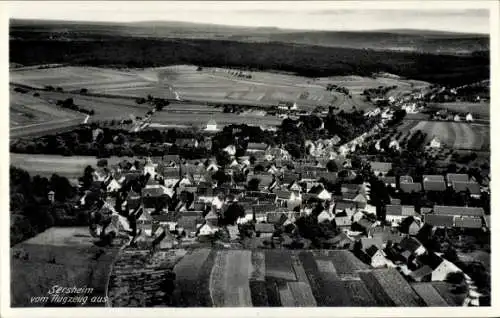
x: 70, y: 104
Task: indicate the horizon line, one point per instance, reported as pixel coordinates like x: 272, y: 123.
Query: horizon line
x: 249, y: 27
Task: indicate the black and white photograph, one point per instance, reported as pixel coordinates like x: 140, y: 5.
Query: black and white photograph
x: 249, y: 154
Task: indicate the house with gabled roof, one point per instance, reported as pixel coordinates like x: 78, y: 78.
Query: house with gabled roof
x: 468, y: 222
x: 353, y: 188
x: 365, y: 225
x: 458, y: 211
x: 396, y: 213
x: 320, y: 193
x: 411, y: 225
x: 456, y: 177
x: 407, y: 187
x: 440, y: 221
x: 434, y: 184
x: 260, y: 211
x: 212, y: 218
x: 341, y: 241
x: 414, y: 246
x: 207, y: 229
x: 376, y: 257
x: 264, y: 230
x: 347, y: 207
x: 405, y: 179
x: 253, y: 147
x: 358, y: 198
x: 343, y: 220
x: 471, y: 188
x: 144, y: 221
x: 422, y: 274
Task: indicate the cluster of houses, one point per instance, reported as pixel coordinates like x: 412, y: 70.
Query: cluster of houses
x: 282, y: 191
x: 457, y: 117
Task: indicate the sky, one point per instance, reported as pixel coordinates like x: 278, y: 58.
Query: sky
x: 453, y: 16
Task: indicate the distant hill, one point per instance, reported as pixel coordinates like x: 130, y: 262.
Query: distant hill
x: 425, y: 41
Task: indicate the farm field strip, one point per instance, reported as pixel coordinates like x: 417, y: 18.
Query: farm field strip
x: 258, y: 266
x: 189, y: 83
x: 236, y: 279
x: 190, y: 265
x: 302, y: 294
x: 286, y: 297
x: 279, y: 265
x: 218, y: 277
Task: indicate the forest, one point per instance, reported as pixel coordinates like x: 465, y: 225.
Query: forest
x: 304, y: 60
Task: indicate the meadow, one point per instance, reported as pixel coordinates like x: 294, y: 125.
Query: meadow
x: 188, y: 82
x: 59, y: 256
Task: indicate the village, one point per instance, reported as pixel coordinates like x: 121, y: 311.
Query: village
x: 282, y: 203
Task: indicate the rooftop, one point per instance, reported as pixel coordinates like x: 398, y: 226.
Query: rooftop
x: 458, y: 210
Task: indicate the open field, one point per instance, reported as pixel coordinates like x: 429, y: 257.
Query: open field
x: 31, y: 115
x: 46, y: 165
x: 229, y: 280
x: 189, y: 276
x: 480, y: 110
x: 304, y: 278
x: 208, y: 84
x: 58, y: 256
x: 452, y: 134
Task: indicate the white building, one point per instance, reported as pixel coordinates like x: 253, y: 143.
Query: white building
x: 231, y: 150
x: 211, y: 126
x: 435, y: 143
x: 207, y: 229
